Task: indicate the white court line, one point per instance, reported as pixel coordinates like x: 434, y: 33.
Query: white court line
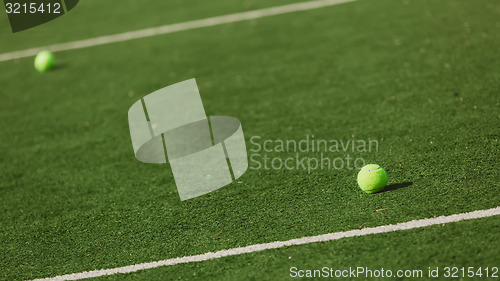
x: 120, y: 37
x: 279, y: 244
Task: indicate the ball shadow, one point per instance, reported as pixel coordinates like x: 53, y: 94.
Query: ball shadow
x: 59, y: 66
x: 395, y: 186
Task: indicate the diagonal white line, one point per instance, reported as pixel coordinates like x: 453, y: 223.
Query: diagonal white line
x: 170, y: 28
x: 279, y: 244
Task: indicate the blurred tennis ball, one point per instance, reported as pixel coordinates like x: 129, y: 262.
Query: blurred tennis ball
x: 44, y: 61
x: 372, y: 178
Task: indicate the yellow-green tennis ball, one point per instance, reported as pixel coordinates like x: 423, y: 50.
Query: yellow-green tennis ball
x: 372, y: 178
x: 44, y: 61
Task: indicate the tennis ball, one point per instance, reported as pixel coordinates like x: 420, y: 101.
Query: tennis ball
x: 372, y: 178
x: 44, y: 61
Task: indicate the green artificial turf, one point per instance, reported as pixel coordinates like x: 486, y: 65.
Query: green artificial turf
x: 92, y: 18
x: 417, y: 250
x: 420, y: 77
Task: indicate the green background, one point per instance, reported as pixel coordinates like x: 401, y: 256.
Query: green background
x: 421, y: 77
